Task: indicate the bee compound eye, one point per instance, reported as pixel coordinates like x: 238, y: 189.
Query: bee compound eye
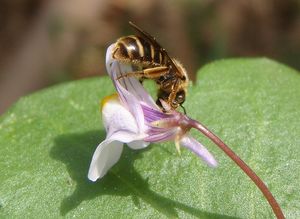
x: 180, y: 97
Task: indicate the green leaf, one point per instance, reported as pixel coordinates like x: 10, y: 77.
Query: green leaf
x: 48, y: 138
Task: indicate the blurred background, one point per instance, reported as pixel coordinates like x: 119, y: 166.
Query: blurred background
x: 46, y: 42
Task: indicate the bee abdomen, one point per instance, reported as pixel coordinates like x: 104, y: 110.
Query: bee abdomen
x: 136, y: 49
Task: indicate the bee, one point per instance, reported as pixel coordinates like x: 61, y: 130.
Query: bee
x: 151, y: 61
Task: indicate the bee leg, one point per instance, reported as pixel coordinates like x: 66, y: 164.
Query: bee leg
x: 172, y: 96
x: 149, y: 73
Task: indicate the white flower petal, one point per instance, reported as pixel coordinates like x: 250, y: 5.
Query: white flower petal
x: 138, y: 144
x: 109, y: 151
x: 105, y: 156
x: 116, y: 117
x: 126, y: 137
x: 195, y: 146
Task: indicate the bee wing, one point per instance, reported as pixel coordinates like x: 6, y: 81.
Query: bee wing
x: 153, y: 41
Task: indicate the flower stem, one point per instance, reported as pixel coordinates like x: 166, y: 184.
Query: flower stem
x: 259, y: 183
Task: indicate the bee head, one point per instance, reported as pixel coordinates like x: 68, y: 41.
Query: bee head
x: 180, y: 97
x: 178, y: 100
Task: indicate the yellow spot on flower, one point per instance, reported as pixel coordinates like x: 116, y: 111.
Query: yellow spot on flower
x: 107, y: 99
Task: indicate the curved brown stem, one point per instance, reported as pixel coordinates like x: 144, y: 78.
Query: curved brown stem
x: 259, y: 183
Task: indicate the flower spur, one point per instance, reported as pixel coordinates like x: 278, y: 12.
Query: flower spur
x: 132, y: 117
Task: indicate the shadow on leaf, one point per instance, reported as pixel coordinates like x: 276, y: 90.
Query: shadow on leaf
x: 76, y: 150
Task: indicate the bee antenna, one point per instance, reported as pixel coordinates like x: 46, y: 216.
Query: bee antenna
x: 184, y: 111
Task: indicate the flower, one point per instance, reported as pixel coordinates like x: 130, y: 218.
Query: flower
x: 132, y: 117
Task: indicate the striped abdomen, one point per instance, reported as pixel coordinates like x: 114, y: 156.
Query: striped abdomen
x: 139, y: 51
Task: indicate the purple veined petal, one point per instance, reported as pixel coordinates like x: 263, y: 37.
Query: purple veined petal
x: 163, y: 136
x: 153, y: 130
x: 196, y: 147
x: 152, y: 114
x: 128, y: 99
x: 133, y: 106
x: 131, y: 84
x: 105, y: 156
